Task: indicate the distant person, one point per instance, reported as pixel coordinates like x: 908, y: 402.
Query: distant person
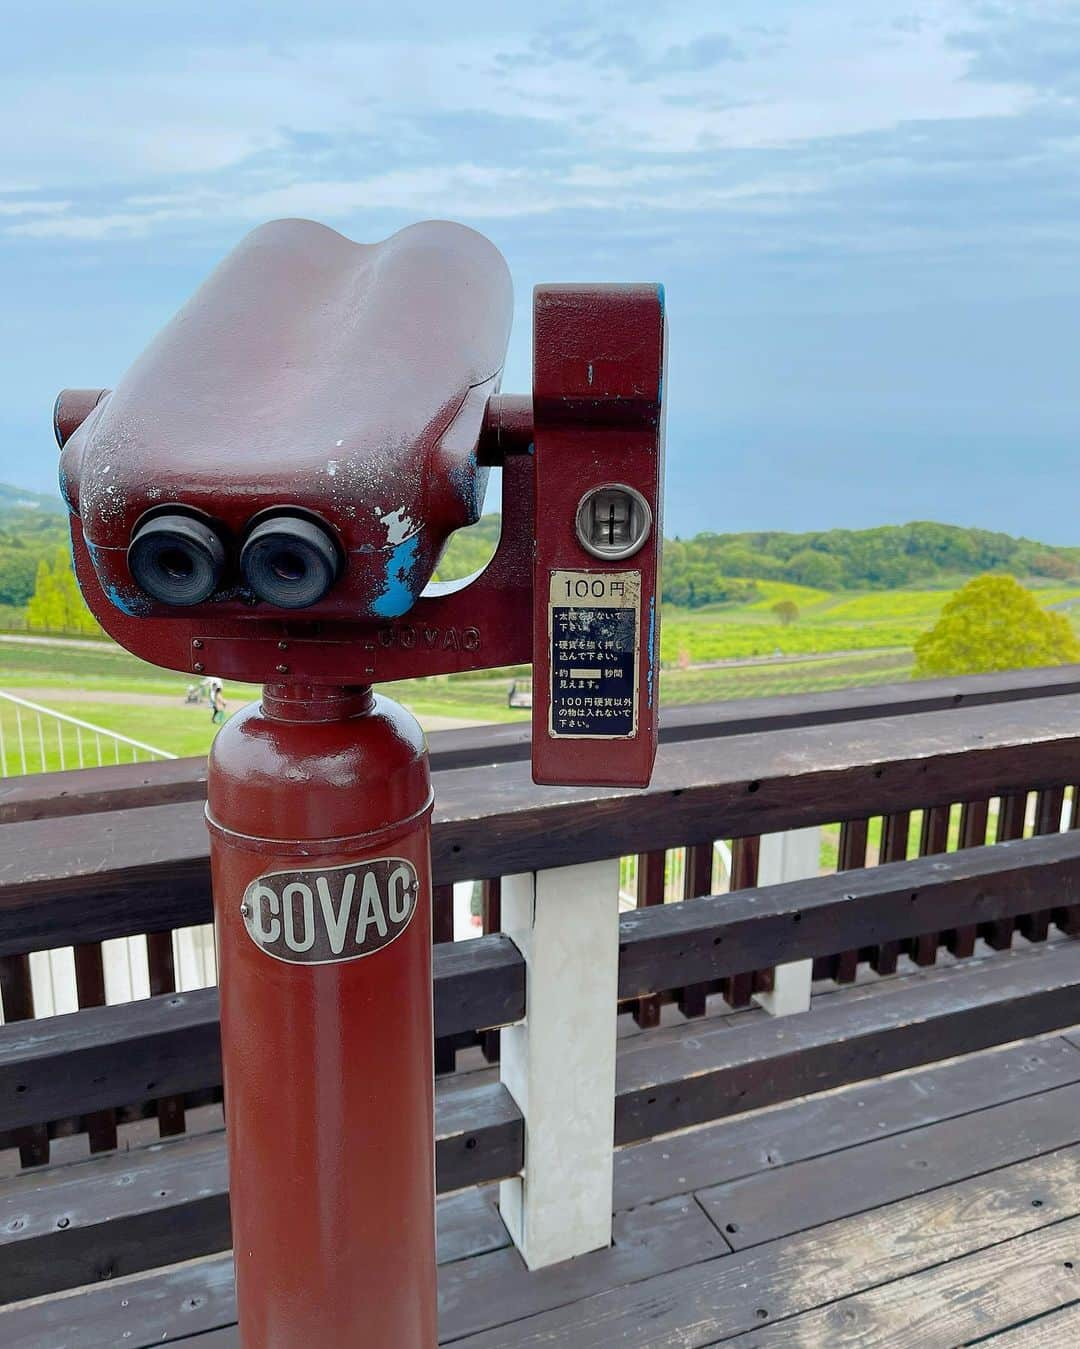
x: 217, y: 702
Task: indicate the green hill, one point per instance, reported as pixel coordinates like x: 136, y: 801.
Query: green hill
x: 713, y: 569
x: 32, y: 526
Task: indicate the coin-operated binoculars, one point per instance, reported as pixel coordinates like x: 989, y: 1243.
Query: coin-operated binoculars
x: 265, y: 496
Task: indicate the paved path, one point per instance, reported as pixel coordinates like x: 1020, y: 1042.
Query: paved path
x: 83, y: 643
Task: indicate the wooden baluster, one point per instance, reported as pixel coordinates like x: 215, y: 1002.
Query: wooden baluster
x: 738, y: 989
x: 1068, y: 918
x: 697, y: 881
x: 491, y: 921
x: 442, y: 930
x: 651, y: 869
x: 1048, y: 806
x: 854, y: 835
x: 162, y: 966
x: 16, y: 994
x: 974, y: 816
x: 935, y: 839
x: 895, y: 830
x: 90, y: 992
x: 1012, y: 814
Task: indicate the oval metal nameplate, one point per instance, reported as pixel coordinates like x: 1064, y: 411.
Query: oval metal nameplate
x: 322, y: 915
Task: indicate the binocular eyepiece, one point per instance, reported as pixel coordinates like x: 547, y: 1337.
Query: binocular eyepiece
x: 290, y: 561
x: 176, y: 559
x: 287, y: 560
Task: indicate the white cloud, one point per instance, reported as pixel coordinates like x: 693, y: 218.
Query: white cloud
x: 430, y: 125
x: 33, y: 207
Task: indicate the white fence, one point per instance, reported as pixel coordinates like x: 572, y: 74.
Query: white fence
x: 35, y: 739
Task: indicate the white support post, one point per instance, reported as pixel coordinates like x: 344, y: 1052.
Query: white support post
x: 559, y: 1064
x: 790, y: 856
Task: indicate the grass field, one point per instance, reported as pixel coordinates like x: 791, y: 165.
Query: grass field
x: 847, y: 639
x: 849, y: 621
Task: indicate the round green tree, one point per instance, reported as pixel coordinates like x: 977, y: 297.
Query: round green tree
x: 994, y: 623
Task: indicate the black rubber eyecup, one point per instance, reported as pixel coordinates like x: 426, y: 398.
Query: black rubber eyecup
x: 176, y: 559
x: 290, y: 561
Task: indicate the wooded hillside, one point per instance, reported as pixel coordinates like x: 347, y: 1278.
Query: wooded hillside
x: 722, y: 568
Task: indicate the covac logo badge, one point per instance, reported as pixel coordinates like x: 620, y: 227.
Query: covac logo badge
x: 333, y: 914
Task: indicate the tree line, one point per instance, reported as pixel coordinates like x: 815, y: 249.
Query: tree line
x: 724, y: 568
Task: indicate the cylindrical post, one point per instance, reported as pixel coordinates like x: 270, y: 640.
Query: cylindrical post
x: 319, y: 810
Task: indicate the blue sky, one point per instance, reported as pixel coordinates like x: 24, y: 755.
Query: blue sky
x: 864, y: 212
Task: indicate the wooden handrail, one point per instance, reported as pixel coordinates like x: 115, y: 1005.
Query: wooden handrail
x: 92, y: 790
x: 123, y: 872
x: 107, y: 1056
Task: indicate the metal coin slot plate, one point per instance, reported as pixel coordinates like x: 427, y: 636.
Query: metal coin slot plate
x: 594, y: 624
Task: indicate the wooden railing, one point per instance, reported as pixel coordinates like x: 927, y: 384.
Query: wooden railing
x: 949, y: 805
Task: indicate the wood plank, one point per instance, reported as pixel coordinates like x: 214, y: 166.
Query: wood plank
x: 851, y: 856
x: 115, y: 873
x: 974, y: 820
x: 697, y: 882
x: 964, y: 1300
x: 749, y: 929
x: 651, y: 875
x: 154, y: 1206
x: 738, y: 987
x: 895, y: 832
x: 197, y: 1297
x: 673, y: 1078
x: 795, y: 1198
x: 707, y: 1302
x: 479, y: 1133
x: 90, y: 991
x: 1011, y: 823
x: 934, y: 839
x: 669, y: 1079
x: 118, y: 1219
x: 135, y: 1312
x: 493, y: 1289
x: 831, y: 1121
x: 442, y: 933
x: 89, y: 790
x: 166, y: 1045
x: 1046, y: 1332
x: 17, y: 1001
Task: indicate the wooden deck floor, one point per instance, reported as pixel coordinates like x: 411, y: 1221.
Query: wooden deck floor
x: 931, y: 1209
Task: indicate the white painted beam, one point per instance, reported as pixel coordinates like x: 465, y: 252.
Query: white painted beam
x: 559, y: 1064
x: 790, y: 856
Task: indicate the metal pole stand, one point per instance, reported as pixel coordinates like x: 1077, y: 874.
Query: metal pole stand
x: 319, y: 810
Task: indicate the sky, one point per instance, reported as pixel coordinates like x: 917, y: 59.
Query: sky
x: 864, y: 213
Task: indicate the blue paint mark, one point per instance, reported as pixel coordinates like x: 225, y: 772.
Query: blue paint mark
x: 531, y: 448
x: 127, y: 599
x: 398, y: 595
x: 470, y: 481
x: 652, y: 647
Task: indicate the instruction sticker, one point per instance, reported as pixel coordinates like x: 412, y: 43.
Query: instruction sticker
x: 593, y: 627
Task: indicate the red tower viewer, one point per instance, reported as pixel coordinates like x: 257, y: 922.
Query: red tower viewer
x: 265, y: 496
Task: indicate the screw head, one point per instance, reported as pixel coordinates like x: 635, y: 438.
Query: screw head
x: 197, y: 643
x: 282, y: 669
x: 245, y: 910
x: 283, y: 646
x: 198, y: 667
